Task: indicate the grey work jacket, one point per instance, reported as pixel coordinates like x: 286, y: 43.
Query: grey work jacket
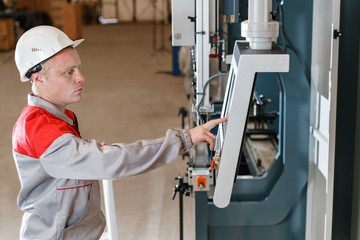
x: 58, y: 170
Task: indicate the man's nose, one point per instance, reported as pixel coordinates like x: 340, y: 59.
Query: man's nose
x: 79, y: 77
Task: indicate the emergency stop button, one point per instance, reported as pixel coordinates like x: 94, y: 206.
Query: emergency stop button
x: 201, y: 182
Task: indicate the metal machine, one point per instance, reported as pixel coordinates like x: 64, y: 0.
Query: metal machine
x: 265, y: 179
x: 272, y: 174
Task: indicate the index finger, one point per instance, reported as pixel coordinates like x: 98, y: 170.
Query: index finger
x: 212, y: 123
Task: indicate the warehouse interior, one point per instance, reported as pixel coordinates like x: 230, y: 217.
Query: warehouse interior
x: 148, y: 64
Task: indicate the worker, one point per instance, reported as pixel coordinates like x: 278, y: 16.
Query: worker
x: 58, y: 170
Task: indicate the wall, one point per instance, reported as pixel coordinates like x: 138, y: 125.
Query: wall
x: 137, y: 10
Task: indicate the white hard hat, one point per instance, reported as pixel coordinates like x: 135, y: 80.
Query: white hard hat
x: 37, y: 45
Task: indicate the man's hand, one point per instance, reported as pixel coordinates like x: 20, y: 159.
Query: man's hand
x: 202, y: 132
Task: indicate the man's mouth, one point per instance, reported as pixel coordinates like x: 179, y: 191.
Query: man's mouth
x: 79, y: 90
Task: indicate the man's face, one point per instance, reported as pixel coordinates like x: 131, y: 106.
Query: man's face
x: 62, y: 80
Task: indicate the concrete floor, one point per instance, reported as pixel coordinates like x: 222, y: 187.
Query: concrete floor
x: 129, y: 95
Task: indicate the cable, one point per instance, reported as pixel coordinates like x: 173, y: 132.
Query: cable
x: 285, y: 38
x: 203, y: 94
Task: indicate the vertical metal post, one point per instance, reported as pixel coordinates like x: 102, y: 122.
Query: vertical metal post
x: 182, y: 188
x: 181, y: 180
x: 202, y: 50
x: 110, y: 213
x: 154, y: 24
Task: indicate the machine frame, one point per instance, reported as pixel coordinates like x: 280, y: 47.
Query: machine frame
x: 246, y: 63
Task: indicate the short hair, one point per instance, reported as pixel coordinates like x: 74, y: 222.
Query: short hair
x: 45, y: 67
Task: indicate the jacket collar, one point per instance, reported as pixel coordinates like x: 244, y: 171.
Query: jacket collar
x: 48, y: 106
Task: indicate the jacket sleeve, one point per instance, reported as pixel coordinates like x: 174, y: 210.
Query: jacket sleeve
x: 72, y: 157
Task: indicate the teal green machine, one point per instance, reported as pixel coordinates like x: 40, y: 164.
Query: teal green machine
x: 310, y: 188
x: 268, y: 204
x: 269, y: 198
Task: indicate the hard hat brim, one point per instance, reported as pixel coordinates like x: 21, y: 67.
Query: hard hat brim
x: 77, y: 42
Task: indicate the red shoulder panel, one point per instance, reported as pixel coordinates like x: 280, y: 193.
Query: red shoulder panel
x: 36, y: 129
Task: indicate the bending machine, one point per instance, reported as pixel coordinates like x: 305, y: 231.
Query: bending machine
x: 279, y: 96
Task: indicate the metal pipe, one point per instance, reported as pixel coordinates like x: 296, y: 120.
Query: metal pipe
x: 181, y: 210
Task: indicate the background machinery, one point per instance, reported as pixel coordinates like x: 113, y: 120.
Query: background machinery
x: 272, y: 67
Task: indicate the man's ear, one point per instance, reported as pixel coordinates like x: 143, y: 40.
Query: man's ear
x: 37, y: 77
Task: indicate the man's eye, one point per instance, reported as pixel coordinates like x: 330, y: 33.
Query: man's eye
x: 69, y: 73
